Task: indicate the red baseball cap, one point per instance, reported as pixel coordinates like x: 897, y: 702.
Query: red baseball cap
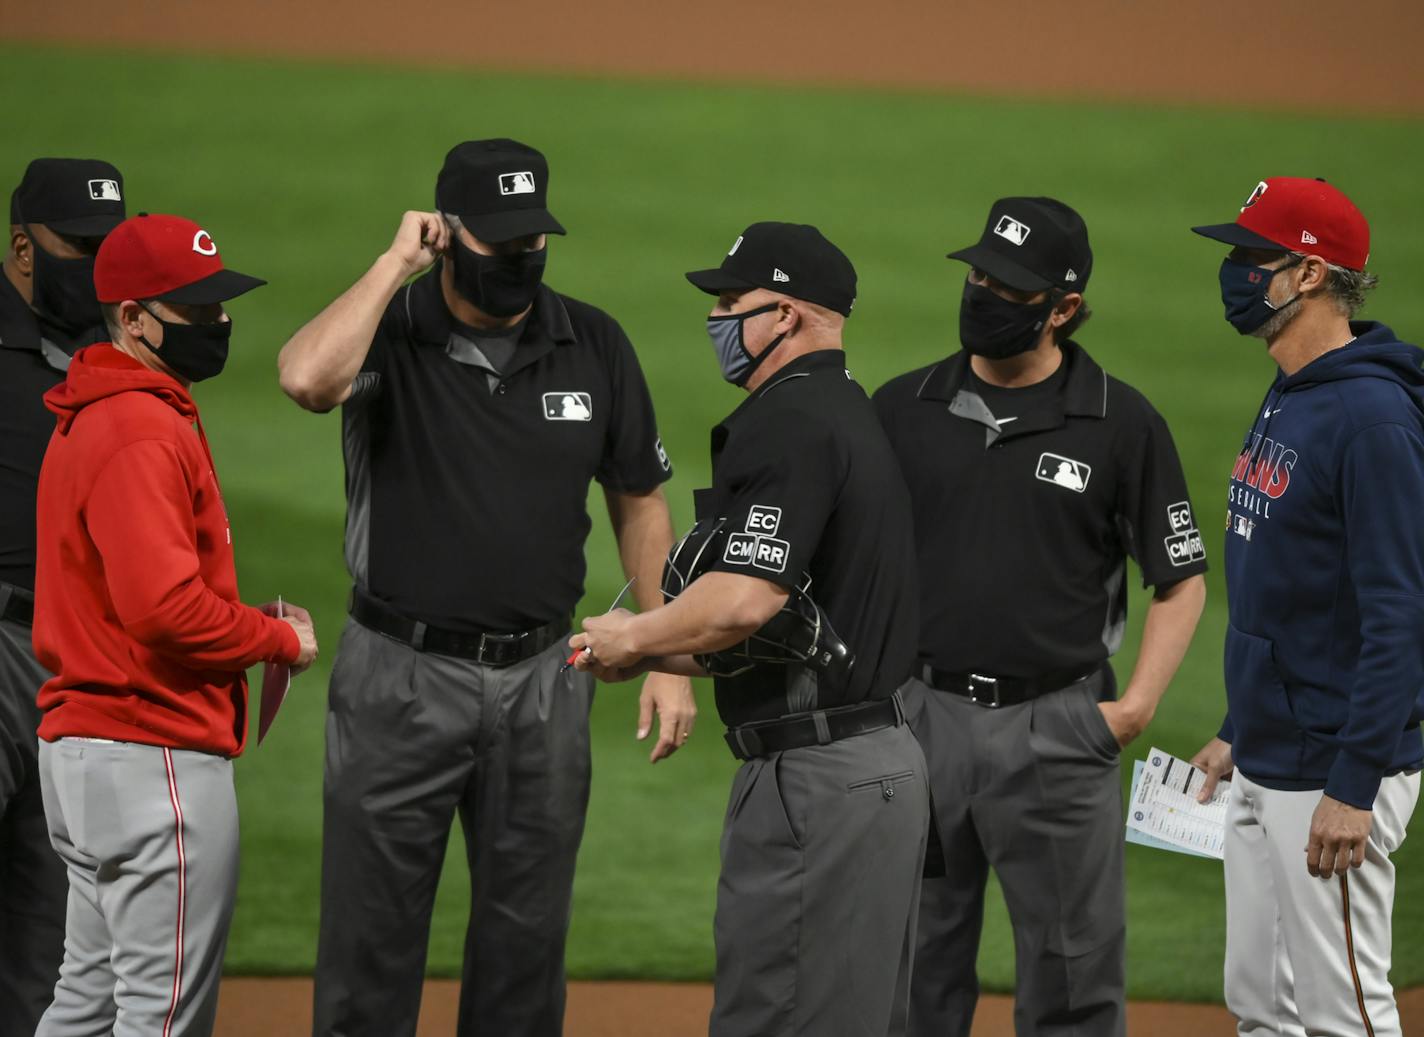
x: 166, y: 258
x: 1299, y: 214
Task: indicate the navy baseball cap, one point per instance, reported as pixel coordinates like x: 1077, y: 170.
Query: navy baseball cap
x: 77, y: 197
x: 499, y: 189
x: 794, y: 259
x: 1031, y: 244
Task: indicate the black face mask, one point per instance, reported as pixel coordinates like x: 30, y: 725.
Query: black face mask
x: 994, y: 327
x: 193, y: 351
x: 64, y: 289
x: 501, y: 286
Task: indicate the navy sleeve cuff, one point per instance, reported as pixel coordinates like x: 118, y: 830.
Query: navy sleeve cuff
x: 1353, y: 781
x: 1227, y: 731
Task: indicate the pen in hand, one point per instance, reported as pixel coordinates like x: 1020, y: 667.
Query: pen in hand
x: 573, y: 656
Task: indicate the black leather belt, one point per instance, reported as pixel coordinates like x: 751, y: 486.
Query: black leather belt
x: 486, y: 648
x: 822, y: 727
x: 17, y: 604
x: 992, y: 692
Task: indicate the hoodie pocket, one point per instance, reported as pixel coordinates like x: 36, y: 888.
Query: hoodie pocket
x: 1268, y: 737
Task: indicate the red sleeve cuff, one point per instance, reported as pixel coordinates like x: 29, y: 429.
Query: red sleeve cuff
x: 289, y: 645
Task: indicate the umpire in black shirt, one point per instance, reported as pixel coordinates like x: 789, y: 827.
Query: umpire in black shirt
x: 477, y: 406
x: 1034, y: 476
x: 59, y: 214
x: 795, y: 589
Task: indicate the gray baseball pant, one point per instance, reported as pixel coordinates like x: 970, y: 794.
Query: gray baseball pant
x: 1309, y: 955
x: 412, y: 738
x: 822, y: 851
x: 149, y: 838
x: 1031, y: 790
x: 32, y: 883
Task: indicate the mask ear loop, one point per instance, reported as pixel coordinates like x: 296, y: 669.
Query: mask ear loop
x: 1296, y: 261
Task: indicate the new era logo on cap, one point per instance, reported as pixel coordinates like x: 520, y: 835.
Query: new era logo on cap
x: 777, y: 274
x: 1307, y: 238
x: 104, y: 191
x: 1071, y: 275
x: 516, y: 183
x: 1012, y: 230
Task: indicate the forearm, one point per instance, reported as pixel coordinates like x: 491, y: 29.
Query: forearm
x: 318, y: 364
x: 716, y: 611
x: 677, y: 665
x: 643, y: 528
x: 1166, y: 634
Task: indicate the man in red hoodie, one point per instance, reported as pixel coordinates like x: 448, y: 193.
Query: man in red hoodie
x: 138, y: 617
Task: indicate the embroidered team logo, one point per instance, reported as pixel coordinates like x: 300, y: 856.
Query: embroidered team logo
x: 516, y: 183
x: 1012, y: 230
x: 570, y: 406
x: 1185, y: 545
x: 104, y: 191
x: 1063, y: 471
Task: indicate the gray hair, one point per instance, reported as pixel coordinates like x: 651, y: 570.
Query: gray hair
x: 1346, y: 288
x: 110, y: 312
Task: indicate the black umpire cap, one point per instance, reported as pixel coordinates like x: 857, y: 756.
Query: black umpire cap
x: 77, y: 197
x: 794, y: 259
x: 499, y: 189
x: 1031, y: 244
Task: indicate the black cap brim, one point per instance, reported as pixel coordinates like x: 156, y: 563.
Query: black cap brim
x: 95, y: 226
x: 218, y: 287
x: 1235, y: 234
x: 716, y: 281
x: 496, y: 227
x: 1001, y: 268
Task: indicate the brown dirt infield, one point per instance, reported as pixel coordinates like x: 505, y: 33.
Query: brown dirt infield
x: 1358, y: 57
x: 282, y: 1008
x: 1215, y: 51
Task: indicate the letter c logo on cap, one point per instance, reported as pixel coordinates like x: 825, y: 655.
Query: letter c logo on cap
x: 199, y: 246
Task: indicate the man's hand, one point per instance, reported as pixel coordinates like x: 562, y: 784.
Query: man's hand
x: 1125, y: 719
x: 300, y: 620
x: 607, y: 637
x: 671, y: 698
x: 1215, y: 759
x: 1338, y: 833
x: 421, y: 238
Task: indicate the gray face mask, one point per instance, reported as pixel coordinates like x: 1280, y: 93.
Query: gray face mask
x: 732, y: 356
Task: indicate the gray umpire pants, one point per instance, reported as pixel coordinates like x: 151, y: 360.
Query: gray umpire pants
x: 822, y: 851
x: 412, y: 738
x: 1031, y: 790
x: 149, y: 838
x: 32, y: 883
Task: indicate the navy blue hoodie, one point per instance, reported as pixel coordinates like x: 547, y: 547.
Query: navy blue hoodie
x: 1325, y: 575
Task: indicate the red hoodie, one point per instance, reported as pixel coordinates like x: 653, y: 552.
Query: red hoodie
x: 136, y: 607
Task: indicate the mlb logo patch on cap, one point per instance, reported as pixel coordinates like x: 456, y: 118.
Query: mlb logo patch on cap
x: 104, y: 191
x: 1012, y: 230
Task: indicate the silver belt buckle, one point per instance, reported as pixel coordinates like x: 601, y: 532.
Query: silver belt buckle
x: 978, y: 681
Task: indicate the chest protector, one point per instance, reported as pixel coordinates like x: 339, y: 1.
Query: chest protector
x: 799, y: 635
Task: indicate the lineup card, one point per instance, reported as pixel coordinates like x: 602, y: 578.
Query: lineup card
x: 1164, y: 811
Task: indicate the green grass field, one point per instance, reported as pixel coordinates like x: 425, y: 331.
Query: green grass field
x: 301, y: 172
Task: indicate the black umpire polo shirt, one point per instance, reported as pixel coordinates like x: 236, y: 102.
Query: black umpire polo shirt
x: 1023, y: 525
x: 467, y: 490
x: 808, y: 485
x: 32, y: 361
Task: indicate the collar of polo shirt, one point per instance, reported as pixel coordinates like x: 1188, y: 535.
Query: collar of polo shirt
x: 1084, y: 392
